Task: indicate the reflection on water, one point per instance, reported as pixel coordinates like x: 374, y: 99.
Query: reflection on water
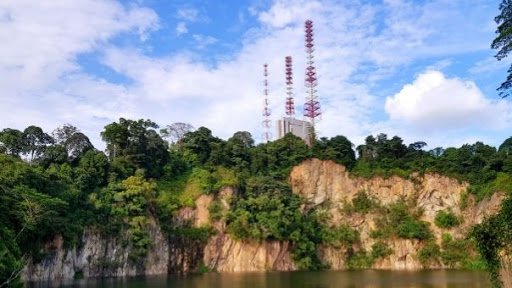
x: 321, y: 279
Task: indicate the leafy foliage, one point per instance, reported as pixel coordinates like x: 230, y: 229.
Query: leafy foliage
x: 338, y: 149
x: 397, y: 219
x: 455, y: 252
x: 124, y: 205
x: 340, y: 236
x: 363, y: 203
x: 503, y: 41
x: 215, y: 211
x: 493, y: 237
x: 381, y: 250
x: 270, y: 214
x: 133, y: 145
x: 429, y: 253
x: 446, y: 219
x: 362, y: 259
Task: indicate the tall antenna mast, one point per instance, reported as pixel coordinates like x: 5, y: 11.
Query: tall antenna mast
x: 266, y: 109
x: 290, y: 105
x: 312, y: 106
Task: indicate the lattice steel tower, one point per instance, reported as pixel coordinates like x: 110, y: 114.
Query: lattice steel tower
x: 290, y: 104
x: 312, y: 106
x: 266, y: 110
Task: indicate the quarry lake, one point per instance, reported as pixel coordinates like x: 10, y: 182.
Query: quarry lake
x: 322, y: 279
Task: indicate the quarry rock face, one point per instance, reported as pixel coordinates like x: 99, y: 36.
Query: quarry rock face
x: 327, y: 184
x: 98, y: 256
x: 323, y: 184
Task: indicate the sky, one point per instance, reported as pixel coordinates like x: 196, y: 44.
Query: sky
x: 422, y: 70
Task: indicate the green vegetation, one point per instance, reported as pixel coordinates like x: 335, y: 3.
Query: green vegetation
x: 60, y: 184
x: 429, y: 253
x: 361, y: 203
x: 453, y: 253
x: 398, y: 220
x: 215, y: 210
x: 502, y: 42
x: 446, y: 219
x: 340, y: 236
x: 381, y: 250
x: 362, y: 259
x: 492, y: 237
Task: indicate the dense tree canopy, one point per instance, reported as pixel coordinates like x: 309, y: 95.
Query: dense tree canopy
x: 133, y: 145
x: 75, y: 142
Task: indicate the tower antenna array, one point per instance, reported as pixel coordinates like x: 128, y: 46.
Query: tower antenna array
x: 312, y: 106
x: 266, y: 110
x: 290, y: 105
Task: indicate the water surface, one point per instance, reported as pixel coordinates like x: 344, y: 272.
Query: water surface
x: 320, y: 279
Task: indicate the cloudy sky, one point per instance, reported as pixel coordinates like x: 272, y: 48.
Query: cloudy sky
x: 419, y: 69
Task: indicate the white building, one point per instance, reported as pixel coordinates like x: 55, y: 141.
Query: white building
x: 297, y: 127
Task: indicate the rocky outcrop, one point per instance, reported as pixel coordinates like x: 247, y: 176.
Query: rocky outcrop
x: 330, y: 186
x: 324, y: 184
x: 223, y: 254
x: 98, y: 256
x: 321, y: 181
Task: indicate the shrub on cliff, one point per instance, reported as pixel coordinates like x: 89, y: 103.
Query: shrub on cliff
x: 446, y: 219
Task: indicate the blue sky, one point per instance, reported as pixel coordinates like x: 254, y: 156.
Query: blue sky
x: 422, y: 70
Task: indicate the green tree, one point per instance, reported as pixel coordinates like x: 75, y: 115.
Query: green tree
x: 506, y: 146
x: 35, y: 141
x: 53, y: 154
x: 11, y: 141
x: 503, y: 42
x: 338, y: 149
x: 278, y: 157
x: 75, y: 142
x: 135, y: 145
x: 200, y: 144
x: 124, y: 207
x: 238, y: 150
x: 92, y: 170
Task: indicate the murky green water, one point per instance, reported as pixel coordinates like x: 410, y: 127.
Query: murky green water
x: 322, y: 279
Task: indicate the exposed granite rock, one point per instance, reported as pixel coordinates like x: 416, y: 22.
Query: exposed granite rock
x: 329, y: 185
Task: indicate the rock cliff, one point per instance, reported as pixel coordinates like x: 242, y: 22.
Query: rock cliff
x: 329, y: 185
x: 98, y: 257
x: 324, y: 184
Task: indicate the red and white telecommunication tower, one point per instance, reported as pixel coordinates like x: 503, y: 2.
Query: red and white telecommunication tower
x: 266, y: 110
x: 290, y: 104
x: 312, y: 106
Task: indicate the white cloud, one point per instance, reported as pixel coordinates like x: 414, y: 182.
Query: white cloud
x: 41, y: 81
x: 283, y: 13
x: 489, y: 64
x: 202, y: 41
x: 188, y: 14
x: 354, y: 40
x: 227, y: 96
x: 181, y: 28
x: 433, y: 102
